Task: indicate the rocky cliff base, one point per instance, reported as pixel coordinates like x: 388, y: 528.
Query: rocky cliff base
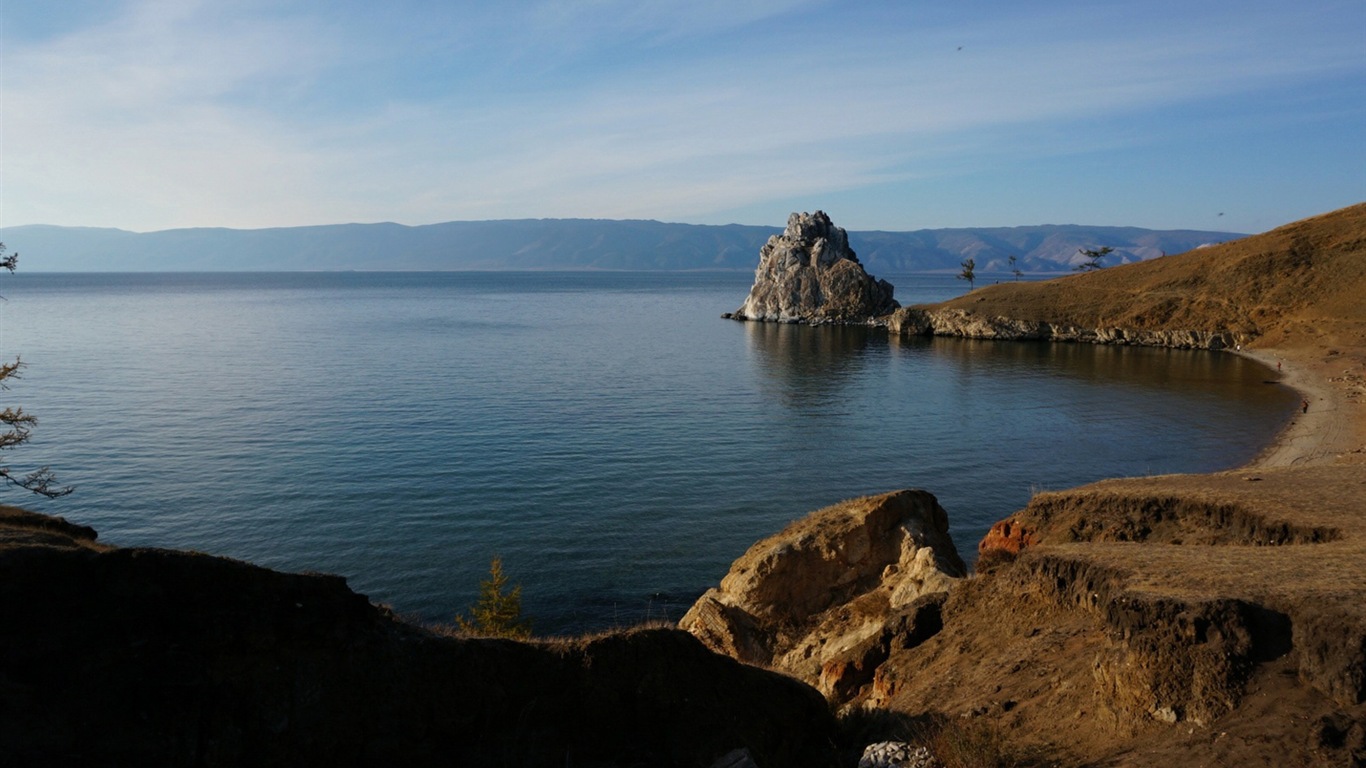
x: 920, y: 321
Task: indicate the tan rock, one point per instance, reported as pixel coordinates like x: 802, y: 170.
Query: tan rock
x: 818, y: 598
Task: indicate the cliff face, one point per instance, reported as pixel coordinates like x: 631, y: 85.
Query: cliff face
x: 153, y: 657
x: 808, y: 274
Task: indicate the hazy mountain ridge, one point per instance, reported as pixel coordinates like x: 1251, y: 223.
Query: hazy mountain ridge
x: 528, y: 244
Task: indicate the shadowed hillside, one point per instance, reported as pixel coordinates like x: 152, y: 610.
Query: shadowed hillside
x: 144, y: 657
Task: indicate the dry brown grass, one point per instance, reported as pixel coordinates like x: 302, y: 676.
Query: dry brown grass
x: 1305, y: 277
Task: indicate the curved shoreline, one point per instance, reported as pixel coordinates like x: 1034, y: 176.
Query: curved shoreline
x: 1327, y: 432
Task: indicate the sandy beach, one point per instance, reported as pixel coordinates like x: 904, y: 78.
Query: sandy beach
x: 1333, y: 429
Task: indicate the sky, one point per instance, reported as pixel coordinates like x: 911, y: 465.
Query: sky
x: 894, y: 115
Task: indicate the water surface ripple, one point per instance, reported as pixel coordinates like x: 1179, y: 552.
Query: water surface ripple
x: 605, y: 433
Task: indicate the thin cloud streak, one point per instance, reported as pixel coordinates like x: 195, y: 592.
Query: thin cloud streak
x: 205, y: 117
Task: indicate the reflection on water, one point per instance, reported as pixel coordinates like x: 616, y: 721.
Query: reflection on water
x: 807, y: 366
x: 1194, y: 372
x: 982, y: 424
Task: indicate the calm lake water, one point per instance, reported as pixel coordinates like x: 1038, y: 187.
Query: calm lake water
x: 605, y: 433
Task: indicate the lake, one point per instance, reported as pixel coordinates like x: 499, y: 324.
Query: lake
x: 606, y: 434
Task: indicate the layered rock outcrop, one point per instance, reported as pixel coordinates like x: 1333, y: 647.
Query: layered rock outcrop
x: 809, y: 274
x: 824, y: 599
x: 917, y: 321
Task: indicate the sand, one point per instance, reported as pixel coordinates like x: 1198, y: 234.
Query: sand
x: 1333, y: 429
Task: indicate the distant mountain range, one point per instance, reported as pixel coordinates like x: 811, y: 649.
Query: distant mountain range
x: 564, y: 244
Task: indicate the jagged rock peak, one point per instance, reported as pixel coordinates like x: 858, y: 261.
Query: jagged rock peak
x: 809, y: 274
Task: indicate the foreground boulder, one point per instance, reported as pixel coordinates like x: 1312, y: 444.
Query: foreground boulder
x: 809, y: 274
x: 823, y: 599
x: 154, y: 657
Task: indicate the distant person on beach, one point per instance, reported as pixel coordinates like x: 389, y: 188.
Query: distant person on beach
x: 1304, y: 406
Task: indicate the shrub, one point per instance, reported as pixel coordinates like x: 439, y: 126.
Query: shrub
x: 498, y: 613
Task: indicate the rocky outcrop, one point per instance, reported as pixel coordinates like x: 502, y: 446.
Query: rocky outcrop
x: 154, y: 657
x: 826, y: 598
x: 1009, y: 536
x: 917, y: 321
x: 809, y: 274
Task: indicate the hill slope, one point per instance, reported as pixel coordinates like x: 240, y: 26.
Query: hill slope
x: 1308, y: 277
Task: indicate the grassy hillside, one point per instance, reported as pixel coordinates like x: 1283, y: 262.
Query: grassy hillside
x: 1306, y: 278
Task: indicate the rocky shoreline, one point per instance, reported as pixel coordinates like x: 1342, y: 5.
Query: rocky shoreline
x: 919, y: 321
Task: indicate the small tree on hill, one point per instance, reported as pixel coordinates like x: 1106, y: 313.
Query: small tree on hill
x: 969, y: 272
x: 1093, y: 258
x: 1015, y: 270
x: 17, y: 425
x: 498, y: 613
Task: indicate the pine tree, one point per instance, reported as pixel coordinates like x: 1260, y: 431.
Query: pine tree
x: 1093, y: 257
x: 969, y: 272
x: 498, y: 613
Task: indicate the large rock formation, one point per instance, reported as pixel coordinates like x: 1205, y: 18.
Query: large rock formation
x: 154, y: 657
x: 808, y: 274
x: 823, y: 599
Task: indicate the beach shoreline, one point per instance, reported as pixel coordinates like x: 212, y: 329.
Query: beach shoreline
x: 1331, y: 430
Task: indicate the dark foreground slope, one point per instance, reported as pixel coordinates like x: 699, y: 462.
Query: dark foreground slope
x: 145, y: 657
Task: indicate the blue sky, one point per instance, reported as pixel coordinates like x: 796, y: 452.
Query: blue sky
x: 157, y: 114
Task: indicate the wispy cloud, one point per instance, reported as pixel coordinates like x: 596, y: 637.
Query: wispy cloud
x: 242, y: 114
